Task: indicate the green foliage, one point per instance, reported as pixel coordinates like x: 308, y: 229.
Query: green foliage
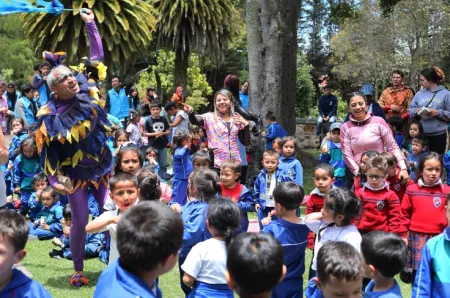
x: 196, y: 100
x: 6, y: 74
x: 197, y: 80
x: 305, y: 91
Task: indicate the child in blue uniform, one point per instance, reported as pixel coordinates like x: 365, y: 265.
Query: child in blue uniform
x: 182, y: 167
x: 204, y: 186
x: 230, y: 171
x: 39, y: 183
x: 419, y: 149
x: 292, y: 233
x: 384, y: 255
x: 254, y: 265
x: 13, y: 238
x: 148, y: 247
x: 205, y: 266
x: 274, y: 130
x: 265, y: 183
x: 289, y: 163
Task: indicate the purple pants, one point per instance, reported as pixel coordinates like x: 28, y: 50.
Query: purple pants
x: 80, y: 215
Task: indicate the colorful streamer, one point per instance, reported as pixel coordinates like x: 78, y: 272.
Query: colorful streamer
x: 24, y: 6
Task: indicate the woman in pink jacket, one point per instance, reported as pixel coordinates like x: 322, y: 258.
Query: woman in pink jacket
x: 366, y: 132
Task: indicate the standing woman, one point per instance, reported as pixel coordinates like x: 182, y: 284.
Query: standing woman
x: 436, y: 100
x: 223, y: 128
x: 366, y: 132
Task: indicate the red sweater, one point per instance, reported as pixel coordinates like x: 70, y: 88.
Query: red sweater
x: 396, y: 186
x: 423, y: 209
x: 314, y: 204
x: 380, y: 210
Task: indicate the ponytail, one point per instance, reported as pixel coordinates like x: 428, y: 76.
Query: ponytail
x: 224, y: 216
x: 148, y: 184
x: 207, y: 185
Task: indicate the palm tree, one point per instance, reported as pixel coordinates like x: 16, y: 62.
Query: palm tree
x: 125, y: 26
x: 204, y: 26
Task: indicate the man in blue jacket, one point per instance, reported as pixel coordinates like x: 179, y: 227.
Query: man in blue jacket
x: 327, y: 106
x: 117, y: 101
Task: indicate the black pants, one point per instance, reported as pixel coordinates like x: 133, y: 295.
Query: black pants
x: 349, y: 177
x: 438, y: 143
x: 243, y: 178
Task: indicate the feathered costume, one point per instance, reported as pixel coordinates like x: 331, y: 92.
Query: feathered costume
x: 71, y: 136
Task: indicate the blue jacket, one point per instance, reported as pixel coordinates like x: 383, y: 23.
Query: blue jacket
x: 35, y: 207
x: 328, y: 105
x: 412, y: 170
x: 23, y: 110
x: 274, y: 130
x: 441, y: 103
x: 292, y: 168
x: 399, y: 139
x: 393, y: 292
x: 193, y: 215
x: 433, y: 274
x: 245, y: 204
x: 115, y: 281
x: 24, y: 170
x: 335, y: 158
x: 312, y: 290
x: 53, y: 217
x: 244, y: 99
x: 15, y: 144
x: 10, y: 101
x: 182, y: 164
x: 114, y: 120
x: 40, y: 85
x: 22, y: 286
x: 118, y: 103
x: 260, y: 185
x: 446, y: 160
x: 293, y: 239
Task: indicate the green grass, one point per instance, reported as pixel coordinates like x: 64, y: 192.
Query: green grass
x: 54, y: 274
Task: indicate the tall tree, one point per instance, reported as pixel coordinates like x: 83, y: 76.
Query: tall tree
x: 272, y: 56
x: 203, y: 26
x: 126, y: 26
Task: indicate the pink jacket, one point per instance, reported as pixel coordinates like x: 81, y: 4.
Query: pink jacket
x: 371, y: 134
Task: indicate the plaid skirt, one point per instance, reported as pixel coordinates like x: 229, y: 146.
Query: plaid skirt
x: 416, y: 241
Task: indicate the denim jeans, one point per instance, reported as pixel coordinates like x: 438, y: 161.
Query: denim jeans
x: 320, y: 122
x: 162, y: 161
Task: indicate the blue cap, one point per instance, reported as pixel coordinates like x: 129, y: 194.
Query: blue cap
x: 367, y: 89
x: 335, y: 125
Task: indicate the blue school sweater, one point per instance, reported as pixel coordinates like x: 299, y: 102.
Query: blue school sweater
x: 182, y: 165
x: 53, y: 216
x: 116, y: 281
x: 193, y: 215
x: 393, y: 292
x: 335, y: 158
x: 245, y: 203
x: 35, y: 207
x: 293, y: 239
x: 274, y: 130
x: 24, y: 171
x: 433, y: 274
x: 15, y: 143
x: 446, y: 160
x: 412, y: 170
x: 399, y: 138
x: 22, y: 286
x: 260, y: 185
x: 292, y: 168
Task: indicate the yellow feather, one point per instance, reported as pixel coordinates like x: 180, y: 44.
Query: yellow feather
x: 75, y: 133
x: 69, y: 136
x: 77, y: 157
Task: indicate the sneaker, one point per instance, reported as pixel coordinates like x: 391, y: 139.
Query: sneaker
x: 77, y: 280
x: 57, y: 242
x: 54, y: 253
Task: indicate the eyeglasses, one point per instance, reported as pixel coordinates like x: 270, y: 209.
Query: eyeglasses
x: 64, y: 77
x: 374, y: 177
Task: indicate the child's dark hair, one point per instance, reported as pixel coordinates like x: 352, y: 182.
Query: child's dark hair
x: 339, y: 260
x: 278, y: 141
x: 326, y: 167
x: 296, y: 147
x: 26, y: 89
x: 377, y: 162
x: 289, y: 195
x: 408, y: 137
x: 255, y: 262
x: 123, y: 149
x: 170, y: 105
x: 20, y: 120
x: 147, y: 234
x: 224, y: 216
x: 424, y: 159
x: 28, y: 142
x: 150, y: 150
x: 370, y: 153
x: 133, y: 115
x: 121, y: 177
x: 387, y: 252
x: 396, y: 122
x: 49, y: 189
x: 423, y: 140
x: 271, y: 152
x: 201, y: 156
x: 207, y: 184
x: 178, y: 140
x: 39, y: 177
x: 117, y: 134
x: 14, y: 229
x: 155, y: 104
x: 148, y: 184
x: 271, y: 116
x: 343, y: 201
x: 390, y: 158
x: 67, y: 212
x: 233, y: 164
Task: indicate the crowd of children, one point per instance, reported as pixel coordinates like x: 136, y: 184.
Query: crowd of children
x: 360, y: 238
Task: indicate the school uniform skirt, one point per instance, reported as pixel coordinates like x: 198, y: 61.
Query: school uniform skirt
x: 204, y: 290
x: 416, y: 241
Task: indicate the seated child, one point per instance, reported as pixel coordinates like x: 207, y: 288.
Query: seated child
x: 39, y: 183
x: 331, y: 153
x: 205, y: 266
x: 432, y: 273
x: 201, y: 160
x: 124, y: 192
x: 94, y: 245
x: 148, y: 247
x: 230, y: 171
x: 265, y: 183
x: 339, y: 270
x: 361, y: 179
x: 393, y: 176
x: 254, y: 265
x: 151, y: 157
x: 382, y: 209
x: 292, y: 233
x: 13, y: 238
x: 384, y: 255
x: 419, y: 148
x: 149, y: 185
x: 48, y: 220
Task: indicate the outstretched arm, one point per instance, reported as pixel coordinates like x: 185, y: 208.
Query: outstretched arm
x: 96, y: 46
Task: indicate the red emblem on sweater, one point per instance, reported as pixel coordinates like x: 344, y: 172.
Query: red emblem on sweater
x: 437, y: 202
x: 380, y: 205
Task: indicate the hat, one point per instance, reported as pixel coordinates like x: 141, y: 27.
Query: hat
x: 367, y: 89
x: 335, y: 125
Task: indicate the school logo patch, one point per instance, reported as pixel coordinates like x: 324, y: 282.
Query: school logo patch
x: 397, y: 187
x: 437, y: 201
x: 380, y: 205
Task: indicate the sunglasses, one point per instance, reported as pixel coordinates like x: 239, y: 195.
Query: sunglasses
x: 64, y: 77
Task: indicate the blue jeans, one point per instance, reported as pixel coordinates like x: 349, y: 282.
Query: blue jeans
x: 162, y: 161
x: 320, y: 122
x: 40, y: 233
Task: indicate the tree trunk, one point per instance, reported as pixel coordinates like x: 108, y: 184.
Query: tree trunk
x: 272, y: 57
x: 181, y: 66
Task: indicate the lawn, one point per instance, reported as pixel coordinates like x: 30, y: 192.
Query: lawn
x: 54, y: 274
